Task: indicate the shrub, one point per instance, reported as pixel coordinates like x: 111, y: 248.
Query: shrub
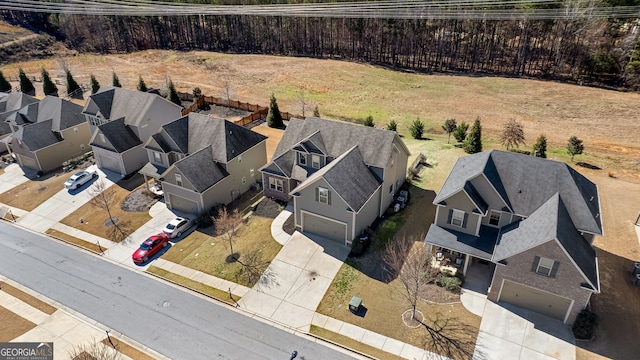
x: 451, y: 283
x: 417, y: 129
x: 585, y: 325
x: 204, y: 219
x: 368, y: 121
x: 393, y: 125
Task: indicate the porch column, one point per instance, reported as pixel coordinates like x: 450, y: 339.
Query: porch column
x: 146, y: 181
x: 429, y: 248
x: 467, y: 260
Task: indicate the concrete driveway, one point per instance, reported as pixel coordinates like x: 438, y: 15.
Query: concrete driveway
x: 13, y: 176
x: 293, y: 285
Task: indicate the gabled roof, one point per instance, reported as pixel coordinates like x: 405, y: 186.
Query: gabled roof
x: 65, y: 114
x: 120, y: 135
x: 349, y: 177
x: 526, y: 182
x: 200, y: 169
x: 37, y: 136
x: 338, y: 137
x: 196, y: 131
x: 550, y: 222
x: 15, y: 101
x: 115, y: 103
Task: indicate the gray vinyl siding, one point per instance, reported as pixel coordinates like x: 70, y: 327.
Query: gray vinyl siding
x: 173, y: 190
x: 164, y: 159
x: 223, y: 192
x: 368, y: 213
x: 159, y: 113
x: 337, y: 210
x: 103, y: 144
x: 134, y: 159
x: 394, y: 174
x: 170, y: 178
x: 252, y: 159
x: 459, y: 201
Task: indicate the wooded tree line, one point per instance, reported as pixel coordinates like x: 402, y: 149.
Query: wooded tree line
x: 602, y: 51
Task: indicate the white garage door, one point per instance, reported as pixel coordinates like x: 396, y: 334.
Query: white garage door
x: 324, y: 227
x: 534, y: 299
x: 182, y: 204
x: 108, y: 163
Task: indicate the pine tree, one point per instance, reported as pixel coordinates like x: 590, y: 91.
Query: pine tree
x: 72, y: 85
x: 141, y: 85
x: 5, y: 86
x: 26, y: 86
x: 368, y: 121
x: 48, y: 87
x: 417, y: 128
x: 392, y: 125
x: 115, y: 81
x: 575, y: 147
x: 540, y: 147
x: 173, y: 94
x: 274, y: 117
x: 95, y: 85
x: 473, y: 142
x: 460, y: 133
x: 449, y: 127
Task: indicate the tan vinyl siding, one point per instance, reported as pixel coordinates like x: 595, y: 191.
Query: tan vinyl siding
x: 52, y: 157
x: 459, y: 201
x: 368, y: 213
x: 134, y: 159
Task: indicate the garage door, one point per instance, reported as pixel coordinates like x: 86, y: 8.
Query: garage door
x: 109, y: 163
x: 27, y: 162
x: 182, y: 204
x: 324, y: 227
x: 536, y: 300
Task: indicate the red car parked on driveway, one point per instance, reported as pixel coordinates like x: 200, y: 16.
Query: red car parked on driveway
x: 149, y: 248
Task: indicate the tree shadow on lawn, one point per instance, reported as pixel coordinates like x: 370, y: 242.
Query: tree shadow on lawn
x: 446, y: 335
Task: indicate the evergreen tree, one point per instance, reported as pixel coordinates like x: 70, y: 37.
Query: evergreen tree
x: 460, y: 133
x: 392, y: 125
x: 316, y: 111
x: 196, y: 93
x: 95, y: 85
x: 575, y: 147
x: 5, y: 86
x: 48, y: 87
x: 141, y: 85
x: 540, y: 147
x: 115, y: 81
x: 72, y: 86
x: 173, y: 94
x: 417, y: 128
x: 26, y: 86
x: 473, y: 142
x: 368, y: 121
x: 274, y: 117
x: 449, y: 127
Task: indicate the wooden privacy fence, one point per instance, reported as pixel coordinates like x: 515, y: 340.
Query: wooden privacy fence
x: 257, y: 112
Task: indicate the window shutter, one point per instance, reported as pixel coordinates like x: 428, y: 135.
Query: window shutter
x: 554, y: 269
x: 317, y: 194
x: 329, y: 197
x: 536, y: 260
x: 450, y: 216
x: 464, y: 221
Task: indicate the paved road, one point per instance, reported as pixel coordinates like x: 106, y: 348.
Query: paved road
x: 171, y: 321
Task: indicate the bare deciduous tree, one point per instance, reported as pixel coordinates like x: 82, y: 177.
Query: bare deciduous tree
x: 409, y: 261
x: 303, y: 101
x: 227, y: 225
x: 106, y: 200
x: 227, y: 92
x: 512, y: 134
x: 96, y: 350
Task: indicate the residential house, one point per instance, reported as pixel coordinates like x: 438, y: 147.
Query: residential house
x: 341, y: 176
x: 121, y: 121
x: 47, y: 133
x: 204, y: 161
x: 532, y: 219
x: 9, y: 104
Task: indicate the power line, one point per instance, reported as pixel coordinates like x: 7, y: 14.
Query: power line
x: 401, y: 9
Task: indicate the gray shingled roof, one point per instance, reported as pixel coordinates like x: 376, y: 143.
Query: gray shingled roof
x: 115, y: 103
x: 349, y: 177
x: 479, y: 246
x: 9, y: 104
x: 37, y: 136
x: 196, y: 131
x: 64, y: 114
x: 549, y: 222
x: 201, y: 169
x: 527, y: 182
x: 375, y: 144
x: 120, y: 135
x: 476, y: 197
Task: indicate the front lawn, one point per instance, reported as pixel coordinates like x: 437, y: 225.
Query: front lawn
x: 34, y: 192
x: 206, y: 253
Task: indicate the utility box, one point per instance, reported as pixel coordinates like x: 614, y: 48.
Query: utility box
x: 355, y: 304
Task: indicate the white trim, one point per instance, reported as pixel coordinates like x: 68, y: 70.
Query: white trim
x: 599, y: 210
x: 353, y: 226
x: 461, y: 220
x: 295, y: 211
x: 437, y: 213
x: 346, y: 226
x: 478, y: 225
x: 566, y: 315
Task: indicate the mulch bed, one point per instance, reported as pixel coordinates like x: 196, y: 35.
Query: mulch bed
x: 137, y: 201
x: 289, y: 226
x: 268, y: 208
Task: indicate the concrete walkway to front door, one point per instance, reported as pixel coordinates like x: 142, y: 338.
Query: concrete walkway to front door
x: 293, y: 285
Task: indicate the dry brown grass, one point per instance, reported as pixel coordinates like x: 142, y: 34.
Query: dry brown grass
x: 12, y: 325
x: 94, y: 218
x: 194, y: 285
x: 352, y: 344
x: 33, y: 192
x: 208, y: 254
x: 27, y: 298
x: 126, y: 349
x: 74, y: 240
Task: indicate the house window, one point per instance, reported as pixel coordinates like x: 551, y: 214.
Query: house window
x: 244, y: 179
x: 157, y: 157
x: 315, y: 161
x: 323, y: 195
x: 275, y: 184
x: 494, y: 218
x: 544, y: 266
x: 178, y: 179
x: 302, y: 159
x: 457, y: 217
